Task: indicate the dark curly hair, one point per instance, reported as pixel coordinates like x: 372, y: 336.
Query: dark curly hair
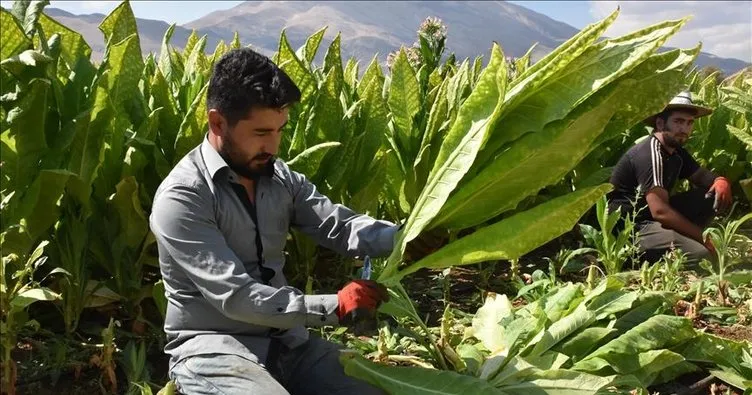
x: 242, y: 79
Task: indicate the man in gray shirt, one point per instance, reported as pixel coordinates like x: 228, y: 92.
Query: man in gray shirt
x: 221, y: 218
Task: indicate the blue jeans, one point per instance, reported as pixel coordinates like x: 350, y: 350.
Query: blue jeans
x: 310, y: 369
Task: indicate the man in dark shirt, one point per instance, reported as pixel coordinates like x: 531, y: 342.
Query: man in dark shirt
x: 647, y: 173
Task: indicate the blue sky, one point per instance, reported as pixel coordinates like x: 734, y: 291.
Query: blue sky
x: 575, y: 13
x: 723, y: 27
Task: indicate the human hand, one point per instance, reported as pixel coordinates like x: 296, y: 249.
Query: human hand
x: 722, y: 189
x: 360, y: 297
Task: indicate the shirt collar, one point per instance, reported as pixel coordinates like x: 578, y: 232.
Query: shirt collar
x: 212, y: 160
x: 663, y: 148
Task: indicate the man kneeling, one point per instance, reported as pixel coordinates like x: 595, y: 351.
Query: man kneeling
x: 654, y: 165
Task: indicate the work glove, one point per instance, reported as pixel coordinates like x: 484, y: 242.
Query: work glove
x: 360, y: 297
x: 722, y: 189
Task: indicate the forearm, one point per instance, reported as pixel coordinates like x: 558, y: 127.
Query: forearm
x: 672, y: 219
x: 281, y: 308
x: 338, y: 227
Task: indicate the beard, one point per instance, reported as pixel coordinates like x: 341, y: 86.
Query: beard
x: 673, y: 138
x: 245, y: 167
x: 671, y: 141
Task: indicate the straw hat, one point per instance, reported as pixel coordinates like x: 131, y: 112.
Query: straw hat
x: 682, y: 101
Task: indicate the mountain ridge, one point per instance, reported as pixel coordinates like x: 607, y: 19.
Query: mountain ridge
x: 367, y: 29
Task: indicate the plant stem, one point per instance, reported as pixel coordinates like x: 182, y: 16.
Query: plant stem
x: 433, y: 346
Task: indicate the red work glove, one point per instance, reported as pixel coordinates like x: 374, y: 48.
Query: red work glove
x: 722, y: 188
x: 360, y: 294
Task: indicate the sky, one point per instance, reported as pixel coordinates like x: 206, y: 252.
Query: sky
x: 723, y: 27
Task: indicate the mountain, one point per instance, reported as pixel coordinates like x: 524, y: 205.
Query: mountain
x: 367, y: 28
x: 150, y: 32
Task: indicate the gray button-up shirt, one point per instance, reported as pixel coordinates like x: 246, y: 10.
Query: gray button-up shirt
x: 216, y: 301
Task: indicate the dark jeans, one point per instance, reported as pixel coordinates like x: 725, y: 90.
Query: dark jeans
x: 655, y: 240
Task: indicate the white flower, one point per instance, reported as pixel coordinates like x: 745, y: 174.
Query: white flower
x: 433, y: 28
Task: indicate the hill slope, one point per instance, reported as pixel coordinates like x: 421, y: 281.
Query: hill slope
x: 367, y: 27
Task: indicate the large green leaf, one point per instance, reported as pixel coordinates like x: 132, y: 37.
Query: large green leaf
x: 196, y: 65
x: 325, y: 121
x: 517, y: 235
x: 643, y: 350
x: 294, y: 67
x: 404, y: 101
x: 131, y: 217
x: 120, y: 24
x: 374, y: 128
x: 308, y: 161
x: 27, y: 13
x: 169, y: 121
x: 549, y: 155
x: 658, y: 78
x: 29, y: 296
x: 311, y: 45
x: 86, y: 152
x: 600, y: 65
x: 372, y: 73
x: 743, y: 135
x: 559, y: 382
x: 414, y: 381
x: 436, y: 117
x: 580, y: 344
x: 362, y: 199
x: 165, y: 63
x: 457, y: 153
x: 710, y: 349
x: 36, y: 212
x: 12, y: 37
x: 562, y: 301
x: 25, y: 140
x: 559, y: 330
x: 536, y: 77
x: 189, y: 44
x: 333, y: 57
x: 73, y: 44
x: 125, y: 66
x: 193, y: 127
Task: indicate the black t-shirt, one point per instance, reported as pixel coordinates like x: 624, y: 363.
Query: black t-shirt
x: 647, y: 165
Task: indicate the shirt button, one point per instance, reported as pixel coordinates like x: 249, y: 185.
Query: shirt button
x: 323, y: 319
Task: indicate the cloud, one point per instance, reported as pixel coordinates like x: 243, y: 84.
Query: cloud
x: 723, y: 27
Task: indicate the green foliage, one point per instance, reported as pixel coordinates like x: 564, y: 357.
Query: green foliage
x: 571, y: 340
x: 502, y: 158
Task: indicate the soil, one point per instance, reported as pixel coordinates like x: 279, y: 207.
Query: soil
x: 694, y: 384
x: 735, y: 332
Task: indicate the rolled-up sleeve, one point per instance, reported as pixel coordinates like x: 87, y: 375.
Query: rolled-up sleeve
x: 185, y: 227
x: 338, y: 227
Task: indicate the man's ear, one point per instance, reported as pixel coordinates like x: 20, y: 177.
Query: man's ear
x: 217, y: 122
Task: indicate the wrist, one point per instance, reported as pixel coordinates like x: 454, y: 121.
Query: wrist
x: 321, y: 309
